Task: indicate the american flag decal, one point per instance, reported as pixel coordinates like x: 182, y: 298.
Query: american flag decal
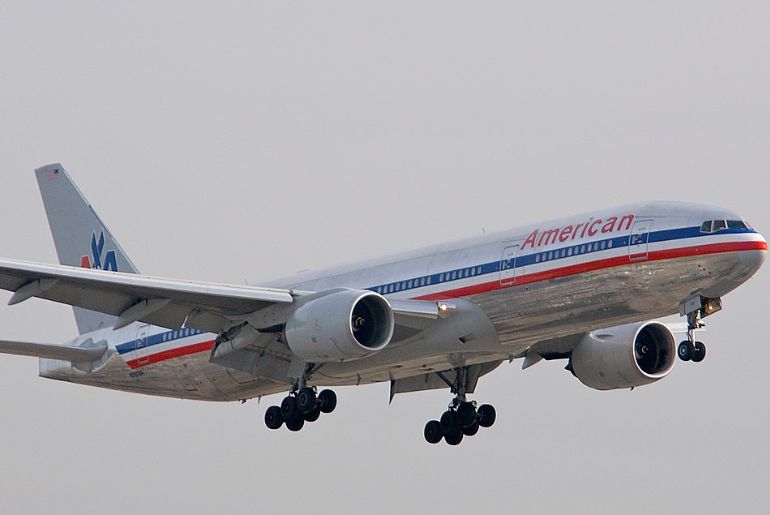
x: 53, y: 174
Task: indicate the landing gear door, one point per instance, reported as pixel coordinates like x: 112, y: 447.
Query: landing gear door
x: 508, y: 265
x: 638, y: 240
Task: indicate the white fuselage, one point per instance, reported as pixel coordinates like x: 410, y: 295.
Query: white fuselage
x: 533, y: 283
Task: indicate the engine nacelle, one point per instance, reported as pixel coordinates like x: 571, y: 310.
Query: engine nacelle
x: 341, y: 326
x: 624, y: 356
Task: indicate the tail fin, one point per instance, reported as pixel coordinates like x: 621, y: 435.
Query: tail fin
x: 80, y: 236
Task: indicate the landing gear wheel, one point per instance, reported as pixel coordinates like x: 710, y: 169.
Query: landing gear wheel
x: 327, y: 401
x: 295, y: 424
x: 449, y: 424
x: 466, y: 414
x: 472, y: 429
x: 306, y: 400
x: 487, y: 415
x: 312, y: 415
x: 433, y: 432
x: 686, y: 350
x: 273, y: 417
x: 699, y: 352
x: 290, y: 410
x: 454, y: 438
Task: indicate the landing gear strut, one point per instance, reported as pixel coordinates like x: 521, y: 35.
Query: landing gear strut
x: 462, y: 418
x: 689, y: 349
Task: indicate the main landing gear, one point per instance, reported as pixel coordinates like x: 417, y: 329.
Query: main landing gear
x: 689, y: 349
x: 462, y: 418
x: 300, y: 406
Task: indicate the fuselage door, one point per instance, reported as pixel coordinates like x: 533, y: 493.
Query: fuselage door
x: 508, y: 265
x: 142, y: 356
x: 638, y: 240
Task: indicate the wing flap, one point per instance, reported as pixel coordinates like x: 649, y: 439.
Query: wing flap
x: 45, y: 350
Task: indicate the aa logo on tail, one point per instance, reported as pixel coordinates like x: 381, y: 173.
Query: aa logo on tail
x: 100, y: 260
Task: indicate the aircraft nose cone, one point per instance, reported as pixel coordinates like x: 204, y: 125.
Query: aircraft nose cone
x: 753, y: 260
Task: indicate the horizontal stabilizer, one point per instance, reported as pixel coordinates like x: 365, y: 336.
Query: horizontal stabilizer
x: 45, y: 350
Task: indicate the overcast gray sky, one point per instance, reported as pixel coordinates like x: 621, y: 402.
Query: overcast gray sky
x: 234, y: 140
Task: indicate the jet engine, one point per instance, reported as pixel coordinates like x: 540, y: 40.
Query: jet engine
x: 624, y: 356
x: 340, y: 326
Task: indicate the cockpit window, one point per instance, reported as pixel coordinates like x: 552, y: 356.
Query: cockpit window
x: 736, y: 224
x: 719, y: 225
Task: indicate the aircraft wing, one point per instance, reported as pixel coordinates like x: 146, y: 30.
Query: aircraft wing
x: 45, y: 350
x: 132, y: 297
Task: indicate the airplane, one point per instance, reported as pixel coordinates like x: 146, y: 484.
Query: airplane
x: 586, y: 289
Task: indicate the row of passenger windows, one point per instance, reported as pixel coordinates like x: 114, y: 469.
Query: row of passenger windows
x: 427, y: 280
x: 181, y: 333
x: 573, y: 251
x: 720, y: 225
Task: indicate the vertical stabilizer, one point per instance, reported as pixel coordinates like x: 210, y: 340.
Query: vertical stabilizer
x: 80, y: 236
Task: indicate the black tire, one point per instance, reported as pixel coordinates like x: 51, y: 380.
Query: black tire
x: 273, y: 417
x: 454, y: 438
x: 685, y: 350
x: 466, y: 414
x: 295, y: 424
x: 289, y: 409
x: 327, y: 401
x: 472, y: 429
x: 449, y: 423
x: 312, y: 415
x: 433, y: 432
x: 487, y: 415
x: 306, y: 400
x: 699, y: 352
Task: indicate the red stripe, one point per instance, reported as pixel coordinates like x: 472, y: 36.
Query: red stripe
x: 545, y: 275
x: 170, y: 354
x: 700, y: 250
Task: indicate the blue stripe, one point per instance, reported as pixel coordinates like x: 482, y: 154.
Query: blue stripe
x: 479, y: 270
x: 494, y: 267
x: 157, y: 339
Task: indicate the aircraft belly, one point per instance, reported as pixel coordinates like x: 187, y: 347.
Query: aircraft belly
x: 188, y: 377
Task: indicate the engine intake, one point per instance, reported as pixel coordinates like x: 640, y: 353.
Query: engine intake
x: 624, y: 356
x: 340, y: 326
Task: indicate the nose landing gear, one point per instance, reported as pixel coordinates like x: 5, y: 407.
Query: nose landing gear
x: 689, y: 349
